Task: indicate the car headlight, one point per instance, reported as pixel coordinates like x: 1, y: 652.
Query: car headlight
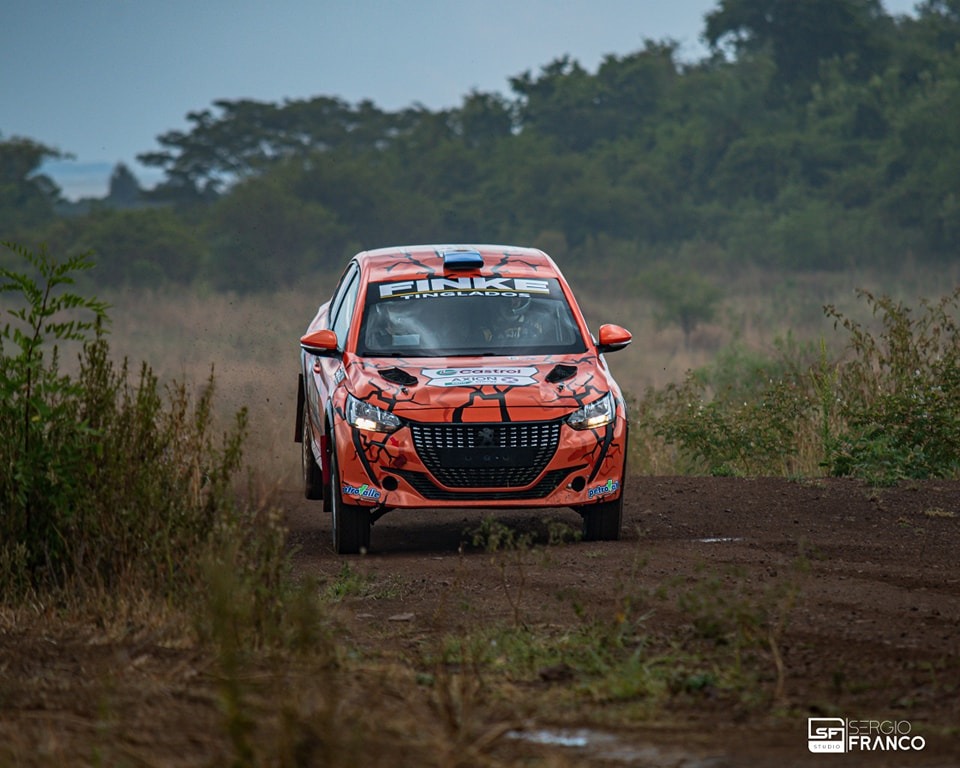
x: 369, y: 417
x: 599, y: 413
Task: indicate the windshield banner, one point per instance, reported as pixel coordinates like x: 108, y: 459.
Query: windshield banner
x: 464, y: 286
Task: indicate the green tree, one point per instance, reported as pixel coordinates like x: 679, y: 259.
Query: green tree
x: 684, y: 298
x: 146, y: 247
x: 827, y: 138
x: 124, y: 190
x: 559, y: 103
x: 483, y: 119
x: 27, y: 197
x: 922, y: 159
x: 938, y: 22
x: 240, y: 139
x: 264, y: 235
x: 800, y: 34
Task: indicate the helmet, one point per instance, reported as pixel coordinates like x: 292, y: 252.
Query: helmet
x: 514, y: 307
x: 385, y: 325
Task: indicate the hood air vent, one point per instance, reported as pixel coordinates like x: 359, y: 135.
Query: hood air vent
x: 398, y: 376
x: 561, y: 373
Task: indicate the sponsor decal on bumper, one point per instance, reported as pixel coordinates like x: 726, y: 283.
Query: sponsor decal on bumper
x: 609, y: 487
x: 363, y: 492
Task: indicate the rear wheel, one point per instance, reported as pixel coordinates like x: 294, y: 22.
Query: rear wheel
x: 601, y: 522
x: 312, y: 474
x: 351, y: 523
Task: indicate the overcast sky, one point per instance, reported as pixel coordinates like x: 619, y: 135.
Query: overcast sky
x: 101, y: 79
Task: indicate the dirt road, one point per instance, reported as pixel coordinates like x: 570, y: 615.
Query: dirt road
x: 731, y: 612
x: 849, y: 598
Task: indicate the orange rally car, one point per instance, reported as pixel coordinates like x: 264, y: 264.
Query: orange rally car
x: 458, y: 376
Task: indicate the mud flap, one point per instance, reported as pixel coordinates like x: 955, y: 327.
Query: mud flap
x: 298, y: 429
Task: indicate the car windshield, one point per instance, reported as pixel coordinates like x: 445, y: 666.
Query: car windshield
x: 466, y: 317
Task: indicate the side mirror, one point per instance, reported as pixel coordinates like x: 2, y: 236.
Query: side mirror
x: 320, y: 343
x: 612, y: 338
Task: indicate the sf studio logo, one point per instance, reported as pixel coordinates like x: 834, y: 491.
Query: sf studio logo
x: 827, y: 735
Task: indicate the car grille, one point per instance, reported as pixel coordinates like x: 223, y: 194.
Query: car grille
x: 498, y: 455
x: 423, y: 485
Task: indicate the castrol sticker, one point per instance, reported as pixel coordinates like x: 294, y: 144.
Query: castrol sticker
x: 483, y: 376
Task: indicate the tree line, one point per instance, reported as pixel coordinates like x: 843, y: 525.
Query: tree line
x: 816, y: 134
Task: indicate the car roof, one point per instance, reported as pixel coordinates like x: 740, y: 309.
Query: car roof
x: 409, y: 261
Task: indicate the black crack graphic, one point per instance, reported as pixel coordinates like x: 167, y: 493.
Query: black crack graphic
x: 498, y: 394
x: 407, y: 260
x: 506, y: 260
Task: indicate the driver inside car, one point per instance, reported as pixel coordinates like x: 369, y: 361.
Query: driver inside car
x: 514, y: 319
x: 389, y: 328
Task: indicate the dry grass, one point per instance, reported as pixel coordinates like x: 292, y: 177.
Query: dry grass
x: 251, y: 340
x: 128, y: 683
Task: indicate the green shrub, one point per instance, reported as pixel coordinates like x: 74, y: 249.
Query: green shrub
x: 722, y: 435
x: 102, y: 482
x: 747, y: 413
x: 43, y: 445
x: 888, y: 410
x: 900, y: 394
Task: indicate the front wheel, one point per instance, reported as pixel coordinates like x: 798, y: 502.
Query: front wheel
x: 602, y: 522
x: 351, y: 523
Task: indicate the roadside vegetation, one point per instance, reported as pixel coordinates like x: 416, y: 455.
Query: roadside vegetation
x: 119, y: 491
x: 132, y: 520
x: 886, y: 409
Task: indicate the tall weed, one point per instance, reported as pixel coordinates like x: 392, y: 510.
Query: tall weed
x: 900, y: 393
x: 722, y: 434
x: 108, y: 481
x: 43, y: 444
x: 887, y: 408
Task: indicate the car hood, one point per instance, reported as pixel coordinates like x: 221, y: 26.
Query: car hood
x: 480, y: 389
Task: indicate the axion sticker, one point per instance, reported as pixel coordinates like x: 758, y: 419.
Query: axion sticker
x: 483, y: 376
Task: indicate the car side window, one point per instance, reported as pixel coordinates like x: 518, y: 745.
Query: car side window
x: 343, y: 313
x: 340, y: 291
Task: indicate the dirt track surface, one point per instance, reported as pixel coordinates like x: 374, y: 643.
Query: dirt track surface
x: 858, y: 588
x: 846, y: 601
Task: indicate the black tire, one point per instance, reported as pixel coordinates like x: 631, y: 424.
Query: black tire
x: 312, y: 474
x: 602, y: 522
x: 350, y: 523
